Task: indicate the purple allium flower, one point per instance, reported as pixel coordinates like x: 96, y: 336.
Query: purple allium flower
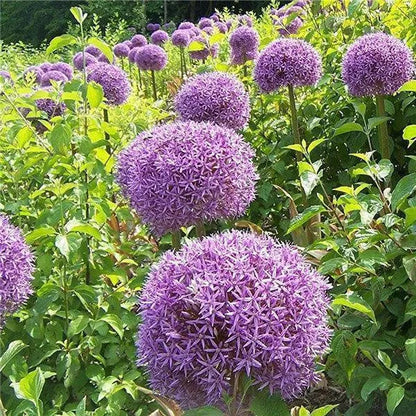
x: 229, y: 24
x: 245, y: 20
x: 234, y: 302
x: 287, y: 62
x: 16, y: 268
x: 50, y: 107
x: 214, y: 17
x: 129, y: 43
x: 151, y: 58
x: 93, y: 50
x: 244, y: 42
x: 214, y: 96
x: 152, y: 27
x: 182, y: 173
x: 222, y: 27
x: 290, y: 28
x: 33, y: 71
x: 132, y: 54
x: 78, y: 60
x: 49, y: 76
x: 45, y: 67
x: 103, y: 58
x: 138, y: 41
x: 203, y: 53
x: 208, y: 30
x: 113, y: 80
x: 6, y: 76
x: 181, y: 38
x: 186, y: 25
x: 205, y: 22
x: 63, y: 67
x: 377, y: 64
x: 121, y: 50
x: 159, y: 37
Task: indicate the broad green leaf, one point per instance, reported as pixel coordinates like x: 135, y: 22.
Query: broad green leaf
x: 409, y: 132
x: 314, y: 144
x: 77, y: 226
x: 78, y: 14
x: 115, y: 322
x: 409, y: 263
x: 23, y: 136
x: 323, y: 411
x: 394, y: 397
x: 81, y: 408
x: 62, y: 244
x: 304, y: 217
x: 216, y: 38
x: 348, y: 128
x: 195, y: 46
x: 77, y: 325
x: 59, y: 42
x: 376, y: 121
x: 354, y: 301
x: 39, y: 233
x: 374, y: 383
x: 309, y: 180
x: 94, y: 94
x: 344, y: 347
x: 410, y: 346
x: 103, y: 47
x: 408, y: 86
x: 409, y: 375
x: 12, y: 350
x: 60, y: 138
x: 30, y: 386
x: 265, y: 405
x: 296, y: 147
x: 403, y: 190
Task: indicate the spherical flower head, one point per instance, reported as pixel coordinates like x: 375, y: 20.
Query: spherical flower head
x: 232, y: 303
x: 139, y: 41
x: 65, y: 68
x: 78, y: 60
x: 151, y: 58
x: 222, y: 27
x: 33, y: 72
x: 121, y: 50
x: 184, y: 173
x: 159, y: 37
x: 50, y: 107
x: 113, y: 80
x: 201, y: 54
x: 93, y: 50
x: 291, y: 28
x: 377, y: 64
x: 205, y: 22
x: 152, y: 27
x: 245, y: 20
x: 214, y: 17
x: 129, y: 43
x: 49, y: 76
x: 16, y: 269
x: 132, y: 54
x: 186, y: 25
x: 244, y: 42
x: 5, y: 75
x: 287, y: 62
x: 214, y: 96
x: 208, y: 30
x: 103, y: 58
x: 181, y: 38
x: 229, y: 24
x: 45, y: 67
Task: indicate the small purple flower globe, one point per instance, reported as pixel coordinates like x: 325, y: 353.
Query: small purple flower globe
x: 245, y: 20
x: 138, y: 41
x: 214, y: 96
x: 287, y: 62
x: 78, y: 60
x: 186, y: 25
x: 65, y: 68
x: 129, y: 43
x: 33, y: 73
x: 184, y: 173
x: 214, y: 17
x: 50, y: 107
x: 151, y: 58
x: 132, y: 54
x: 45, y: 66
x: 181, y: 38
x: 152, y: 27
x: 244, y: 42
x: 290, y: 28
x: 16, y: 269
x: 6, y: 76
x: 377, y: 64
x: 93, y: 50
x: 103, y: 58
x: 121, y: 50
x: 159, y: 37
x: 222, y: 27
x: 205, y: 22
x: 49, y: 76
x: 208, y: 30
x: 234, y: 302
x: 113, y: 80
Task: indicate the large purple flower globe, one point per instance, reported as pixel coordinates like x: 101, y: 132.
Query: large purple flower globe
x: 113, y: 80
x: 45, y: 66
x: 181, y: 38
x: 159, y: 37
x: 151, y: 58
x: 205, y: 22
x: 244, y: 42
x: 377, y: 64
x: 232, y: 303
x: 139, y: 40
x: 186, y: 25
x: 287, y: 62
x: 216, y: 97
x: 63, y: 67
x: 16, y: 268
x: 184, y: 173
x: 121, y: 50
x: 49, y: 76
x: 93, y: 50
x: 78, y: 60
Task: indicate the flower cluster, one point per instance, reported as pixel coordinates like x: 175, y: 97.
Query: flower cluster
x: 184, y: 173
x: 181, y: 38
x: 78, y: 60
x: 121, y: 50
x: 377, y: 64
x: 232, y: 303
x: 49, y: 76
x: 216, y: 97
x: 138, y: 41
x: 152, y: 27
x: 244, y: 42
x: 50, y: 107
x: 16, y: 268
x: 159, y: 37
x: 206, y: 49
x: 151, y: 58
x: 287, y: 62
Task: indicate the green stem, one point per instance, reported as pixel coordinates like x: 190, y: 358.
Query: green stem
x: 140, y: 78
x: 200, y: 229
x: 181, y: 56
x: 2, y: 409
x: 176, y: 240
x: 65, y: 290
x: 245, y: 69
x: 154, y: 85
x: 184, y: 62
x: 294, y: 120
x: 107, y: 136
x: 383, y: 134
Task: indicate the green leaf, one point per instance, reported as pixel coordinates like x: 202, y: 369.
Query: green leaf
x: 94, y: 94
x: 409, y: 132
x: 12, y: 350
x: 59, y: 42
x: 353, y: 301
x: 77, y: 226
x: 78, y: 14
x: 409, y: 263
x: 61, y: 242
x: 296, y: 147
x: 314, y: 144
x: 409, y: 375
x: 115, y: 322
x: 323, y: 411
x: 204, y: 411
x: 394, y: 397
x: 344, y: 347
x: 348, y: 127
x: 30, y: 387
x: 81, y: 408
x: 216, y: 38
x: 265, y: 405
x: 77, y: 325
x: 374, y: 383
x: 103, y: 47
x: 195, y: 46
x: 408, y: 86
x: 410, y: 346
x: 404, y: 188
x: 60, y: 138
x: 304, y: 217
x: 376, y: 121
x: 309, y: 180
x: 39, y: 233
x: 23, y: 136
